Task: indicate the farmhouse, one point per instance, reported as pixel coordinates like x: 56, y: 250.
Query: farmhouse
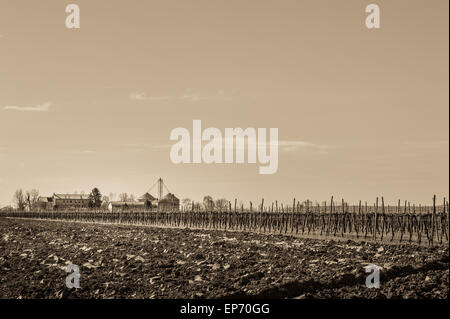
x: 63, y: 202
x: 70, y: 201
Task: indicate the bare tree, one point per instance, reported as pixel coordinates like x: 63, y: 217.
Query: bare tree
x: 19, y: 199
x: 221, y: 203
x: 208, y: 202
x: 131, y: 198
x: 123, y: 197
x: 105, y: 202
x: 31, y: 198
x: 187, y: 203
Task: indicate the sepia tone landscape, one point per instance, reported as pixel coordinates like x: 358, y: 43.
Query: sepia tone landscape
x: 205, y: 251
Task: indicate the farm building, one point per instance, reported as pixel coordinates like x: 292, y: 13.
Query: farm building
x: 147, y: 197
x: 44, y: 203
x: 147, y: 202
x: 169, y: 203
x: 63, y: 202
x: 166, y: 203
x: 70, y: 201
x: 115, y: 207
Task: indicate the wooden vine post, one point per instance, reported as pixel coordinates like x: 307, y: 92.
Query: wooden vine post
x: 375, y: 224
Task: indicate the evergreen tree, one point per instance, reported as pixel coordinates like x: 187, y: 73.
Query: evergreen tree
x: 95, y: 198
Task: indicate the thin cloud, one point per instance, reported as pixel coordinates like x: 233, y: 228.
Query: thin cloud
x: 284, y: 145
x: 142, y: 96
x: 293, y: 146
x: 188, y: 95
x: 192, y: 96
x: 37, y: 108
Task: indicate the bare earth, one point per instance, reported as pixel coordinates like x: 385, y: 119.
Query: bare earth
x: 121, y: 261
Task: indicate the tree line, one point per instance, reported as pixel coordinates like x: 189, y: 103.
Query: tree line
x: 29, y: 200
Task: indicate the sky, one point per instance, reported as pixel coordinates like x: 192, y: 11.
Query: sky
x: 360, y: 112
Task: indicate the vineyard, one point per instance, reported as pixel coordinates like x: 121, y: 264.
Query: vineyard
x: 300, y: 251
x: 423, y: 225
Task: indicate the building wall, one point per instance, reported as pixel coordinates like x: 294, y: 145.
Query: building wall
x: 114, y: 208
x: 71, y: 203
x: 45, y: 205
x: 168, y: 206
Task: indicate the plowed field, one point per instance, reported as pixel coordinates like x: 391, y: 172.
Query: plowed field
x: 118, y: 261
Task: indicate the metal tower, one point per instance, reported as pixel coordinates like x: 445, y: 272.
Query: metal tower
x: 160, y: 188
